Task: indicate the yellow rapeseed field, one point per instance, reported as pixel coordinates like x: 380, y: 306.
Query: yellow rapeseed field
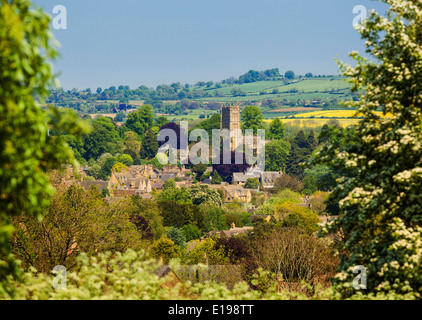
x: 319, y: 118
x: 317, y: 122
x: 332, y: 114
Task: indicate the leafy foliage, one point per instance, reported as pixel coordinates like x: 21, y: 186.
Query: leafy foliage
x: 76, y: 221
x: 177, y: 236
x: 252, y: 183
x: 204, y: 194
x: 288, y: 182
x: 140, y: 120
x: 27, y: 149
x: 277, y: 129
x: 149, y: 146
x: 252, y: 118
x: 165, y: 249
x: 380, y: 158
x: 277, y: 155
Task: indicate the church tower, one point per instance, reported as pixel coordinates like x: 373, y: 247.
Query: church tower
x: 230, y: 119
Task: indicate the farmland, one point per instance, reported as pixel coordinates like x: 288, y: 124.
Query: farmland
x: 314, y: 123
x: 303, y: 85
x: 276, y: 97
x: 294, y: 109
x: 333, y: 114
x: 320, y: 117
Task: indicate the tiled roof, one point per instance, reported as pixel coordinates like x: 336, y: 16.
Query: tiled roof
x: 270, y: 176
x: 86, y: 184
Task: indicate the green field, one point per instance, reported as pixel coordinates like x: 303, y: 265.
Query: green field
x: 312, y: 85
x: 306, y: 85
x: 192, y: 115
x: 254, y: 87
x: 325, y: 89
x: 325, y: 93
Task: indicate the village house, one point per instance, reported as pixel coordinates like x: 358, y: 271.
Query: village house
x: 69, y: 172
x: 126, y: 180
x: 236, y: 193
x: 264, y: 217
x: 141, y: 170
x: 233, y: 231
x: 240, y: 178
x: 87, y: 184
x: 135, y: 180
x: 268, y: 179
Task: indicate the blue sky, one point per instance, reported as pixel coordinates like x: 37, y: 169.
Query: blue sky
x: 139, y: 42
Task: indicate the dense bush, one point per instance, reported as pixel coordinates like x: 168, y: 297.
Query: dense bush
x: 76, y: 221
x: 295, y: 256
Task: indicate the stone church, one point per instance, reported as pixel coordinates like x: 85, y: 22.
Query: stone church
x: 230, y: 119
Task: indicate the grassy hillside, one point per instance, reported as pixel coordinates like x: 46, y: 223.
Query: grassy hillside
x: 323, y: 91
x: 303, y: 85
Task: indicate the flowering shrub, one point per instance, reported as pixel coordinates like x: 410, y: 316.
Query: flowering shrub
x: 380, y: 160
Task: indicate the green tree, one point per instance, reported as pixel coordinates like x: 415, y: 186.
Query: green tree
x: 318, y: 202
x: 149, y: 146
x: 215, y: 219
x: 152, y: 212
x: 202, y: 193
x: 199, y: 170
x: 276, y: 155
x: 252, y: 183
x: 288, y: 182
x: 169, y: 184
x: 77, y: 146
x: 311, y: 142
x: 216, y: 179
x: 277, y: 129
x: 297, y: 216
x: 324, y: 175
x: 140, y: 120
x: 165, y: 249
x: 210, y: 124
x: 120, y: 116
x: 95, y: 170
x: 125, y: 159
x: 300, y: 154
x: 177, y: 236
x: 381, y: 159
x: 106, y: 168
x: 161, y: 121
x: 179, y: 214
x: 171, y: 192
x: 105, y: 193
x: 310, y: 183
x: 252, y: 118
x: 132, y: 142
x: 75, y: 221
x: 191, y: 232
x: 27, y: 149
x: 100, y: 139
x: 289, y: 74
x: 119, y: 167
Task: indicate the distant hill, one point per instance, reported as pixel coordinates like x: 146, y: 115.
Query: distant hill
x: 277, y: 95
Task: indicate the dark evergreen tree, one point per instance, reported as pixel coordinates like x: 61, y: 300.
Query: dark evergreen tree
x: 216, y: 179
x: 312, y: 142
x: 299, y: 154
x: 149, y: 146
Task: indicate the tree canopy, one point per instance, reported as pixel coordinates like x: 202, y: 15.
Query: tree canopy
x: 381, y: 158
x: 27, y: 148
